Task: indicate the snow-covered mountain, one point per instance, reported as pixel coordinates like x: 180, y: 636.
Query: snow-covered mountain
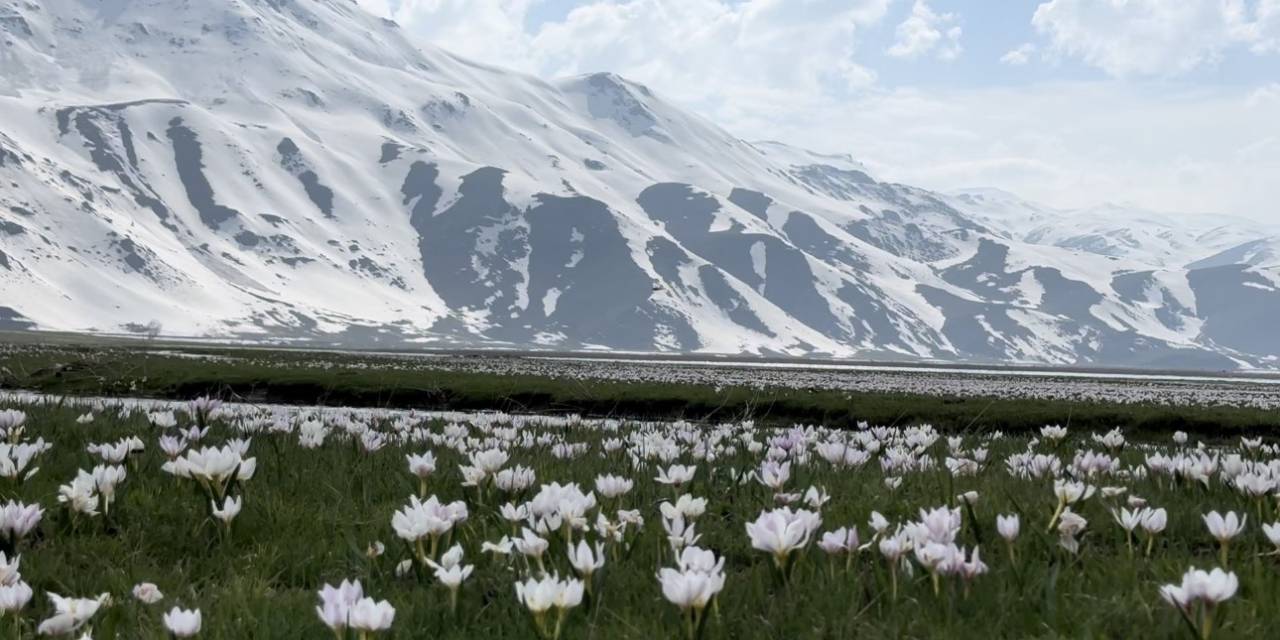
x: 300, y: 169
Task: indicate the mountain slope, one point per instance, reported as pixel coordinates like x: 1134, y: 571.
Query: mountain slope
x: 299, y: 169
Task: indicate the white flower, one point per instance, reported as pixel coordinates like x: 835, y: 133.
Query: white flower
x: 782, y: 531
x: 1211, y: 587
x: 515, y: 479
x: 367, y: 615
x: 1272, y: 532
x: 1069, y: 492
x: 16, y: 459
x: 1069, y: 527
x: 172, y: 446
x: 311, y: 434
x: 698, y: 559
x: 539, y: 596
x: 1053, y: 432
x: 336, y: 603
x: 1008, y: 527
x: 450, y: 571
x: 895, y: 546
x: 690, y: 589
x: 686, y: 505
x: 212, y: 465
x: 583, y: 561
x: 502, y: 547
x: 611, y: 486
x: 816, y: 498
x: 489, y: 461
x: 1154, y: 520
x: 940, y: 525
x: 18, y: 519
x: 1224, y: 528
x: 676, y: 475
x: 419, y: 520
x: 530, y: 544
x: 9, y: 569
x: 841, y: 540
x: 70, y: 613
x: 147, y: 593
x: 514, y: 514
x: 230, y: 509
x: 14, y: 597
x: 182, y: 623
x: 774, y: 475
x: 404, y: 568
x: 81, y: 494
x: 1129, y: 520
x: 422, y: 465
x: 878, y: 523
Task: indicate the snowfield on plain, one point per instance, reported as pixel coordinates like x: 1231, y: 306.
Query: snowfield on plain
x: 302, y: 170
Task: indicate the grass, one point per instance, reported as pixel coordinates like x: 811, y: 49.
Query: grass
x: 310, y: 515
x: 349, y: 380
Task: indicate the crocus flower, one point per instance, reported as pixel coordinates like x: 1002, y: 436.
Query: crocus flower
x: 70, y: 613
x: 451, y: 572
x: 18, y: 520
x: 1153, y: 522
x: 431, y: 519
x: 1128, y: 520
x: 893, y: 548
x: 9, y: 569
x: 1069, y: 527
x: 782, y: 531
x: 1204, y: 590
x: 368, y: 616
x: 1008, y: 527
x: 540, y: 596
x: 676, y: 475
x: 182, y: 623
x: 230, y: 509
x: 1224, y: 528
x: 14, y: 597
x: 336, y: 603
x: 691, y: 591
x: 422, y: 466
x: 841, y: 540
x: 611, y: 486
x: 147, y: 593
x: 1272, y: 532
x: 585, y: 562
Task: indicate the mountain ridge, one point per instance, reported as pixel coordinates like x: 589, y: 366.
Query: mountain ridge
x: 320, y: 177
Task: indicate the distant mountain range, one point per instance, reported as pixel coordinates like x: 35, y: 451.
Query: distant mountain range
x: 300, y: 170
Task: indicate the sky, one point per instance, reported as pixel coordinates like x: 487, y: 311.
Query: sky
x: 1169, y: 105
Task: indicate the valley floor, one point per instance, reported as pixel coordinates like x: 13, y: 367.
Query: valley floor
x: 631, y: 499
x: 697, y: 388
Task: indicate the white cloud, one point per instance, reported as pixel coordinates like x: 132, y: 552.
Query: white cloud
x: 715, y: 49
x: 1019, y: 56
x: 488, y: 30
x: 1265, y: 30
x: 1164, y: 147
x: 925, y: 31
x: 1264, y: 96
x: 731, y: 59
x: 1156, y: 37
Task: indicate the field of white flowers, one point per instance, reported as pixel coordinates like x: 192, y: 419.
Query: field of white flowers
x: 126, y: 518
